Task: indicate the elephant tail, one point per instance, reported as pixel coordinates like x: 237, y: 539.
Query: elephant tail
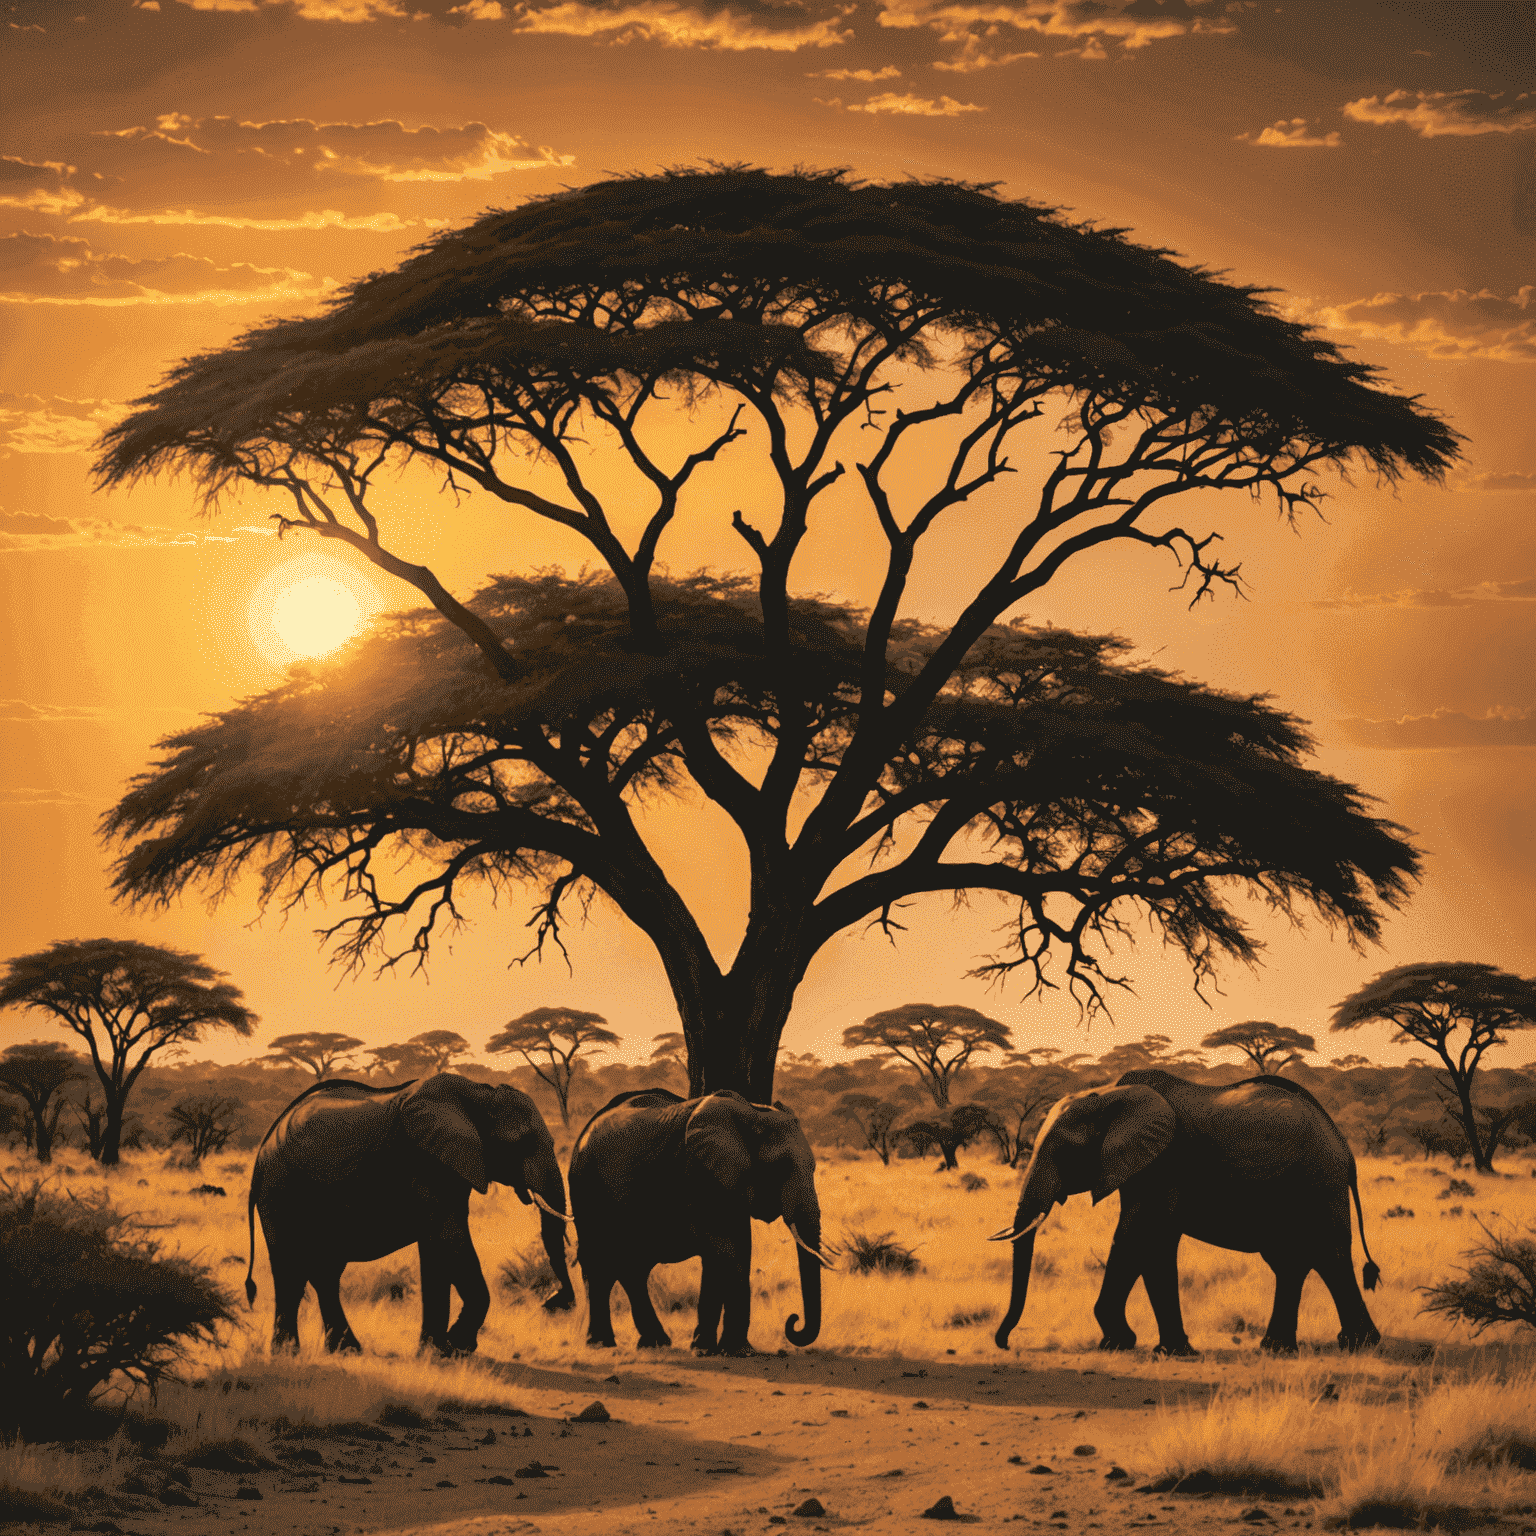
x: 1372, y: 1271
x: 250, y: 1218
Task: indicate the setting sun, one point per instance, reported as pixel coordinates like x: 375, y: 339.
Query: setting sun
x: 315, y: 615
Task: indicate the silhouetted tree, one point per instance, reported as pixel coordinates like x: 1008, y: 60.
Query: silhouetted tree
x: 936, y: 1041
x: 559, y: 1036
x: 36, y: 1073
x: 323, y: 1051
x: 205, y: 1123
x: 121, y: 996
x: 1152, y: 1050
x: 1350, y: 1062
x: 1268, y: 1046
x: 1429, y: 1002
x: 912, y: 330
x: 671, y: 1051
x: 1498, y: 1287
x: 876, y: 1119
x: 949, y: 1131
x: 400, y: 1061
x: 1016, y: 1101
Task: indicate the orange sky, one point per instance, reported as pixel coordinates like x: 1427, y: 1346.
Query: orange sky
x: 175, y: 172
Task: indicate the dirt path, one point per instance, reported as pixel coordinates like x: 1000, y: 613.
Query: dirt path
x: 739, y: 1447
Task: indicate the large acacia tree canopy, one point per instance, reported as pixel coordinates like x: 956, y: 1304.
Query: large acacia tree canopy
x: 1050, y: 771
x: 808, y: 325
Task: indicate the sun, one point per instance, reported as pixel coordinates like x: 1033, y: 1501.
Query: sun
x: 316, y: 615
x: 308, y: 607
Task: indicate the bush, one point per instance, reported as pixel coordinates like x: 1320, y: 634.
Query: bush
x: 527, y: 1274
x: 88, y: 1297
x: 1499, y: 1287
x: 879, y: 1255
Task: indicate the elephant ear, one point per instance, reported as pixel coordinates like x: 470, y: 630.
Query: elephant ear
x: 715, y: 1141
x: 436, y: 1118
x: 1141, y: 1127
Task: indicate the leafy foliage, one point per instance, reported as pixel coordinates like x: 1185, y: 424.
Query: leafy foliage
x: 936, y: 1042
x: 511, y: 740
x: 35, y: 1072
x: 558, y: 1035
x: 1429, y: 1002
x: 1268, y: 1046
x: 1498, y: 1287
x: 87, y: 1297
x: 323, y: 1051
x: 119, y: 996
x: 876, y: 1121
x: 949, y: 1131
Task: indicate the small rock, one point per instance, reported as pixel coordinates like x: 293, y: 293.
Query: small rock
x: 174, y: 1493
x: 1085, y: 1450
x: 777, y: 1520
x: 613, y: 1379
x: 535, y: 1469
x: 942, y: 1509
x: 1041, y: 1470
x: 811, y: 1509
x: 1015, y: 1461
x: 919, y: 1404
x: 248, y: 1491
x: 488, y: 1438
x: 1257, y: 1515
x: 345, y: 1479
x: 593, y: 1413
x: 838, y: 1413
x: 443, y: 1482
x: 1116, y: 1475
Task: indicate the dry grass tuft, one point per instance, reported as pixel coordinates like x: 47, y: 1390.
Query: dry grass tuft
x: 878, y: 1255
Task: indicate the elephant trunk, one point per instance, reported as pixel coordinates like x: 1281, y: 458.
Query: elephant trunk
x: 802, y: 1214
x: 542, y: 1173
x: 1023, y: 1258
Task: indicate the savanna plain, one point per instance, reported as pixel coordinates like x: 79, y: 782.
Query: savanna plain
x: 904, y: 1411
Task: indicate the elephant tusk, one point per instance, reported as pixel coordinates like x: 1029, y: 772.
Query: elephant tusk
x: 1002, y: 1237
x: 821, y: 1259
x: 544, y: 1205
x: 1012, y: 1234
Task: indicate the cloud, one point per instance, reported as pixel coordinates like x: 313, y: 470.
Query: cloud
x: 1523, y: 591
x: 21, y: 798
x: 55, y: 269
x: 1457, y: 324
x: 1502, y: 726
x: 1090, y: 25
x: 866, y: 76
x: 973, y: 55
x: 1291, y: 133
x: 52, y: 423
x: 384, y: 151
x: 1438, y: 114
x: 479, y: 10
x: 20, y: 712
x: 353, y: 11
x: 779, y: 28
x: 27, y: 532
x: 909, y: 105
x: 1515, y: 480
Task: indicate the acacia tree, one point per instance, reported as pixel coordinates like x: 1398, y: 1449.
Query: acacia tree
x: 559, y: 1036
x: 876, y: 1119
x: 35, y: 1073
x: 1268, y: 1046
x: 1153, y: 1050
x: 205, y: 1123
x: 1429, y: 1003
x: 882, y: 348
x: 441, y: 1047
x: 935, y: 1041
x: 322, y: 1051
x: 121, y: 996
x: 1016, y: 1099
x: 398, y: 1061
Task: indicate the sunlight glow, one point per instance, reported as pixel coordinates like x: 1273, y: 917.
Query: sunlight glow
x: 316, y: 615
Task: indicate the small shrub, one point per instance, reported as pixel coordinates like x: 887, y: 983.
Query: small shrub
x: 1396, y: 1210
x: 963, y: 1318
x: 88, y: 1297
x: 879, y: 1255
x: 971, y: 1182
x: 1456, y: 1187
x: 1499, y: 1287
x: 527, y: 1275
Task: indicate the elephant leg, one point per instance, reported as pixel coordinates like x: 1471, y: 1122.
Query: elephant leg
x: 706, y: 1333
x: 598, y: 1279
x: 733, y: 1259
x: 326, y: 1277
x: 1121, y: 1272
x: 435, y: 1281
x: 288, y: 1282
x: 463, y: 1265
x: 637, y: 1286
x: 1290, y: 1275
x: 1356, y: 1329
x: 1160, y: 1275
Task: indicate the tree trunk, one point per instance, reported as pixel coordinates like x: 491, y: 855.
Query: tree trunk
x: 112, y: 1135
x: 1481, y: 1161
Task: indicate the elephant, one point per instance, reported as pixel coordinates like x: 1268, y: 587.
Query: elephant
x: 349, y: 1172
x: 656, y: 1179
x: 1255, y: 1166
